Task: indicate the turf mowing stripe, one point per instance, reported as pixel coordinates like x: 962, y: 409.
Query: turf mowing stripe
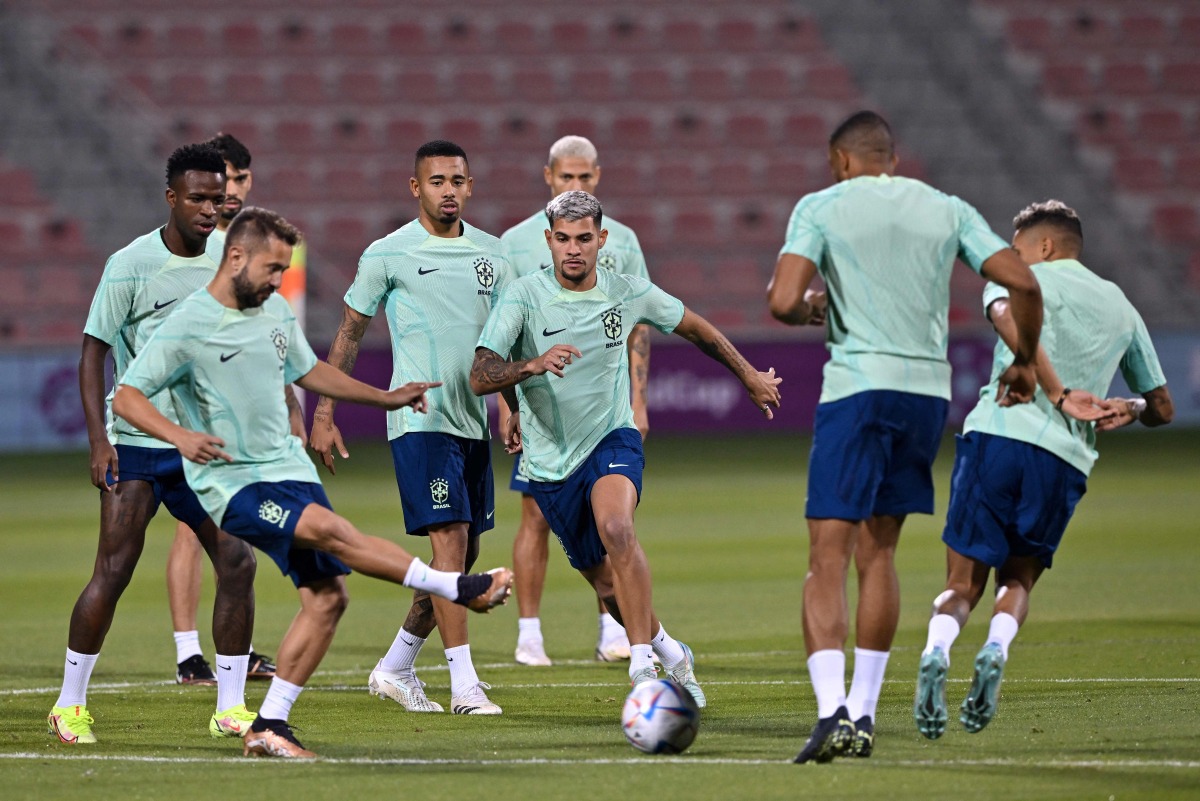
x: 682, y: 760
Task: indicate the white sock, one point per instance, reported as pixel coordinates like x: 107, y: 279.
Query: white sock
x: 187, y: 645
x: 402, y: 656
x: 280, y: 697
x: 77, y: 672
x: 421, y: 576
x: 609, y: 627
x: 462, y: 669
x: 668, y: 650
x: 231, y: 680
x: 1003, y: 630
x: 827, y: 671
x: 943, y: 631
x: 869, y: 667
x: 639, y: 658
x: 529, y: 629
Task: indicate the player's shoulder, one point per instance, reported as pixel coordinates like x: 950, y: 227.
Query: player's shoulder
x: 399, y: 242
x: 481, y: 238
x: 620, y: 235
x: 622, y: 285
x: 532, y: 226
x: 278, y: 307
x: 145, y: 253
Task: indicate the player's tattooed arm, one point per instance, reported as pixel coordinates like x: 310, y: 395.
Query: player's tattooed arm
x: 493, y: 373
x: 343, y: 353
x: 763, y: 387
x: 639, y: 372
x: 295, y: 412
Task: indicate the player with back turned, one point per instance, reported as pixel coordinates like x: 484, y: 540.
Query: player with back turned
x: 885, y: 247
x: 1020, y: 471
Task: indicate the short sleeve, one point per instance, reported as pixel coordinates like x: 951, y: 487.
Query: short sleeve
x: 992, y: 293
x: 977, y: 242
x: 656, y: 307
x: 636, y: 259
x: 804, y: 235
x: 503, y: 276
x: 370, y: 285
x: 300, y: 357
x: 166, y: 357
x: 505, y: 322
x: 1139, y: 366
x: 111, y: 304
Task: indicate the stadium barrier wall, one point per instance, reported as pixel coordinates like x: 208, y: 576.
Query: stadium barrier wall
x: 689, y: 393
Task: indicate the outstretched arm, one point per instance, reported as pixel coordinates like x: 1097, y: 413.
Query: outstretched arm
x: 492, y: 373
x: 343, y: 353
x: 1078, y: 403
x: 196, y: 446
x: 329, y: 381
x: 763, y: 387
x: 1005, y: 267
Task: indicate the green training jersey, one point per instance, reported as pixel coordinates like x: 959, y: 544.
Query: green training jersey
x: 225, y: 370
x: 526, y: 249
x: 1089, y: 331
x: 436, y: 293
x: 142, y: 284
x: 885, y: 247
x: 563, y: 419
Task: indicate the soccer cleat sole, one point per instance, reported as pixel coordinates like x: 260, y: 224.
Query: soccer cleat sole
x: 497, y: 594
x: 269, y: 744
x: 979, y: 707
x: 929, y: 703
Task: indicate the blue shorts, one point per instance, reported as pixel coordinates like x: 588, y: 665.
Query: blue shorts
x: 872, y: 454
x: 265, y: 515
x: 520, y: 479
x: 162, y: 468
x: 567, y: 504
x: 444, y: 479
x: 1009, y: 498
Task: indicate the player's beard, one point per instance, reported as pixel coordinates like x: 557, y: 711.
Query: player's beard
x: 228, y: 214
x: 247, y: 294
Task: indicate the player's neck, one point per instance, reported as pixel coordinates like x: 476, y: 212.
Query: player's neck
x: 582, y: 285
x: 221, y: 288
x: 178, y: 245
x: 451, y: 230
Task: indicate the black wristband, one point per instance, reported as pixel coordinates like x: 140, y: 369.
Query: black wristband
x: 1062, y: 398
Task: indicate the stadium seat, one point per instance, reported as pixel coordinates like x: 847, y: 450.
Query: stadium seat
x: 1176, y: 224
x: 633, y: 132
x: 476, y: 86
x: 592, y: 84
x: 62, y: 237
x: 242, y: 39
x: 1161, y: 125
x: 89, y: 35
x: 467, y: 132
x: 513, y: 36
x: 189, y: 40
x: 708, y: 82
x: 1187, y: 169
x: 134, y: 40
x: 757, y: 223
x: 534, y: 85
x: 295, y: 136
x: 410, y: 39
x: 748, y: 130
x: 571, y: 125
x: 805, y: 130
x: 651, y: 83
x: 789, y: 178
x: 684, y: 36
x: 246, y: 88
x: 292, y: 184
x: 1102, y: 126
x: 295, y: 38
x: 1187, y: 31
x: 794, y: 34
x: 462, y: 34
x: 417, y: 86
x: 519, y: 134
x: 1139, y: 173
x: 352, y: 134
x: 302, y: 89
x: 141, y: 82
x: 679, y: 277
x: 20, y: 188
x: 363, y: 87
x: 693, y: 131
x: 1182, y: 78
x: 627, y: 33
x: 624, y: 178
x: 348, y: 183
x: 1140, y: 29
x: 13, y: 242
x: 733, y: 177
x: 350, y: 39
x: 1127, y: 79
x: 1086, y: 32
x: 192, y: 88
x: 570, y: 36
x: 830, y: 82
x: 738, y: 35
x: 695, y: 228
x: 1034, y: 33
x: 404, y: 135
x: 1067, y: 79
x: 767, y: 82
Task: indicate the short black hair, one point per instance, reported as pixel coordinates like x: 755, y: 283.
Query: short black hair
x: 439, y: 147
x: 863, y: 132
x: 1054, y: 213
x: 231, y: 150
x: 202, y: 157
x: 253, y: 225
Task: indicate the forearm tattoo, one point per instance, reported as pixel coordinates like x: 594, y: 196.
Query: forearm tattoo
x: 639, y: 363
x: 343, y: 354
x: 714, y: 343
x: 494, y: 373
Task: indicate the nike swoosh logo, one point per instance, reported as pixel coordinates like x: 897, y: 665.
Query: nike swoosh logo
x: 226, y: 357
x: 610, y: 464
x: 491, y: 514
x: 158, y: 305
x: 449, y: 659
x: 427, y: 272
x: 72, y: 661
x: 224, y: 667
x: 546, y: 266
x: 548, y: 333
x: 406, y: 642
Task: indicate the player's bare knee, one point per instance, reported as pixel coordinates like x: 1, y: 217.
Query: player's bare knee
x: 618, y: 537
x: 328, y: 600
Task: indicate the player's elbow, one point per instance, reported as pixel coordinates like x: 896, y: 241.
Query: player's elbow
x: 782, y: 305
x: 1160, y: 408
x: 121, y: 398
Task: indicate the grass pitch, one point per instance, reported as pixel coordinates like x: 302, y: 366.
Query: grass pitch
x: 1100, y: 699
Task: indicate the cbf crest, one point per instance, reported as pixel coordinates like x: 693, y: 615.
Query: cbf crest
x: 273, y: 514
x: 611, y: 320
x: 439, y: 490
x: 280, y: 340
x: 486, y: 274
x: 606, y: 261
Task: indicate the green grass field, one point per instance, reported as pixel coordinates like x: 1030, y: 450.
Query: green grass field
x: 1100, y: 699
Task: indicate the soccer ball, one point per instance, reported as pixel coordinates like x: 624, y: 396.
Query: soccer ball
x: 660, y: 717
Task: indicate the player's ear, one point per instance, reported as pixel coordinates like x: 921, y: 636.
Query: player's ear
x: 547, y: 174
x: 414, y: 187
x: 595, y: 174
x: 600, y: 239
x: 171, y: 197
x: 470, y: 184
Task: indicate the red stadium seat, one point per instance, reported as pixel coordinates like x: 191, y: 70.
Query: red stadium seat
x: 571, y: 36
x: 417, y: 87
x: 831, y: 81
x: 90, y: 35
x: 347, y: 183
x: 1187, y: 31
x: 679, y: 277
x: 63, y: 237
x: 574, y: 126
x: 363, y: 87
x: 302, y: 89
x: 534, y: 85
x: 410, y: 39
x: 686, y: 36
x: 520, y: 134
x: 189, y: 40
x: 791, y: 178
x: 1144, y: 30
x: 352, y: 134
x: 768, y: 82
x: 295, y: 38
x: 1100, y: 126
x: 242, y: 39
x: 467, y: 132
x: 651, y: 83
x: 192, y: 88
x: 13, y: 241
x: 691, y: 130
x: 628, y: 33
x: 757, y: 223
x: 513, y: 36
x: 1161, y: 125
x: 141, y: 82
x: 735, y: 177
x: 1036, y: 33
x: 295, y: 136
x: 352, y: 39
x: 404, y: 135
x: 622, y: 178
x: 1127, y: 78
x: 805, y: 131
x: 695, y: 227
x: 708, y: 82
x: 748, y: 130
x: 1176, y: 224
x: 593, y: 84
x: 476, y: 86
x: 246, y: 88
x: 20, y: 188
x: 1139, y: 173
x: 1086, y: 32
x: 462, y: 34
x: 1182, y: 78
x: 292, y: 184
x: 1067, y: 79
x: 1187, y: 169
x: 135, y: 40
x: 795, y: 34
x: 739, y: 35
x: 633, y: 132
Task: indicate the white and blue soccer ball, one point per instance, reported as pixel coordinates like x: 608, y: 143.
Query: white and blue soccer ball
x: 660, y: 717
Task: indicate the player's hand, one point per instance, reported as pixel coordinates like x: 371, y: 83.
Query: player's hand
x: 411, y: 395
x: 764, y: 391
x: 641, y: 419
x: 201, y: 448
x: 1124, y: 414
x: 818, y: 304
x: 511, y: 430
x: 1083, y: 405
x: 324, y: 438
x: 554, y: 360
x: 1017, y: 384
x: 103, y: 459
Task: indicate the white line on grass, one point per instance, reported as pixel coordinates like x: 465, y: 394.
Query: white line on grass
x: 681, y: 760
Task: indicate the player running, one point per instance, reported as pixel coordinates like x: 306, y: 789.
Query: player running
x: 183, y: 561
x: 142, y: 285
x: 1019, y: 471
x: 573, y: 164
x: 435, y: 278
x: 575, y: 426
x: 885, y: 247
x: 224, y: 358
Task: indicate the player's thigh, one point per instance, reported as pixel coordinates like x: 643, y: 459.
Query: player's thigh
x: 614, y: 498
x: 125, y: 512
x: 847, y: 460
x: 532, y: 519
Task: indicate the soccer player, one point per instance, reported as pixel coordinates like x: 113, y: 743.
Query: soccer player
x: 224, y: 358
x: 183, y: 561
x: 435, y: 277
x: 1019, y: 471
x: 142, y: 285
x: 573, y: 164
x: 885, y: 247
x: 575, y: 426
